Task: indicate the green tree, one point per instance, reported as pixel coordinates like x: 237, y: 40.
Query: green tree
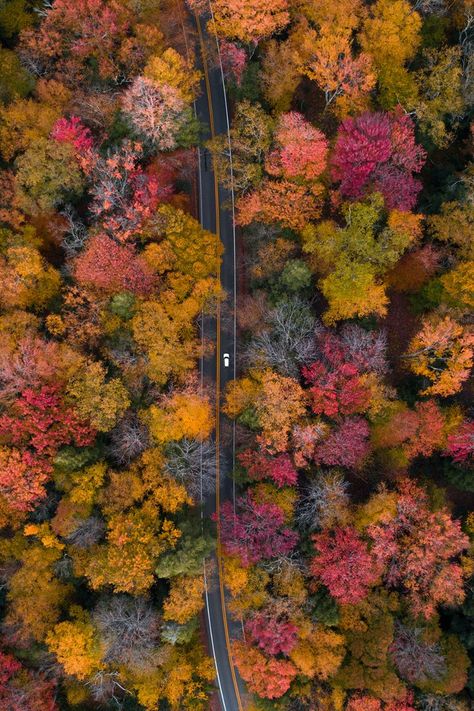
x: 187, y: 557
x: 15, y: 81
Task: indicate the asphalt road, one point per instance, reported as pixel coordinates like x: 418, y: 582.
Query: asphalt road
x: 216, y: 215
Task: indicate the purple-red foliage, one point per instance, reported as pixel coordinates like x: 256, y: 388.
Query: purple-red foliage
x: 256, y: 531
x: 377, y: 151
x: 124, y: 194
x: 365, y: 350
x: 234, y: 60
x: 346, y: 446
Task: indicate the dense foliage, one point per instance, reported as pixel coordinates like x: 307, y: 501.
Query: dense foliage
x: 104, y: 270
x: 348, y: 555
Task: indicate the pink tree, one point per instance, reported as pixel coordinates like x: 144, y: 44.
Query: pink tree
x: 347, y: 445
x: 156, y: 112
x: 22, y: 690
x: 256, y: 532
x: 418, y: 548
x: 111, y: 267
x: 365, y: 350
x: 344, y: 565
x: 124, y: 194
x: 378, y: 151
x: 74, y: 132
x: 234, y: 60
x: 300, y: 149
x: 460, y: 444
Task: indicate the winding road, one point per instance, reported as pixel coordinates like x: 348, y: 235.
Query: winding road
x: 216, y: 215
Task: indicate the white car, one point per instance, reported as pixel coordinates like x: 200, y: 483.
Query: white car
x: 226, y: 358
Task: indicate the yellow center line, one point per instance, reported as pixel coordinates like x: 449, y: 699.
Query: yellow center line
x: 218, y: 381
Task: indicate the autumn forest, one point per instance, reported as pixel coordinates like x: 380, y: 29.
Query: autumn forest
x: 347, y: 555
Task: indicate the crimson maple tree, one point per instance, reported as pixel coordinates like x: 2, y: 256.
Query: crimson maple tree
x: 275, y: 635
x: 256, y: 531
x: 40, y: 419
x: 259, y: 466
x: 378, y: 151
x: 346, y: 445
x: 344, y: 565
x: 22, y: 690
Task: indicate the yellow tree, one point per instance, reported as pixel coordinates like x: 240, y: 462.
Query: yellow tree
x: 391, y: 35
x: 250, y: 139
x: 76, y: 645
x: 184, y: 414
x: 277, y: 403
x: 27, y: 280
x: 25, y: 121
x: 185, y: 599
x: 319, y: 653
x: 345, y: 80
x: 443, y: 352
x: 181, y: 676
x: 340, y: 16
x: 127, y: 560
x: 249, y: 20
x: 170, y: 68
x: 168, y: 337
x: 280, y: 73
x: 440, y: 94
x: 96, y: 399
x: 35, y: 596
x: 186, y: 247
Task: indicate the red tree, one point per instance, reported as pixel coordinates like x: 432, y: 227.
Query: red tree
x: 344, y: 564
x: 365, y: 350
x: 378, y: 151
x: 22, y: 478
x: 21, y: 690
x: 273, y: 634
x: 418, y: 549
x: 270, y: 678
x: 260, y: 466
x: 257, y: 532
x: 339, y: 392
x: 77, y: 38
x: 74, y: 132
x: 460, y: 444
x: 347, y: 445
x: 42, y: 421
x: 112, y: 267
